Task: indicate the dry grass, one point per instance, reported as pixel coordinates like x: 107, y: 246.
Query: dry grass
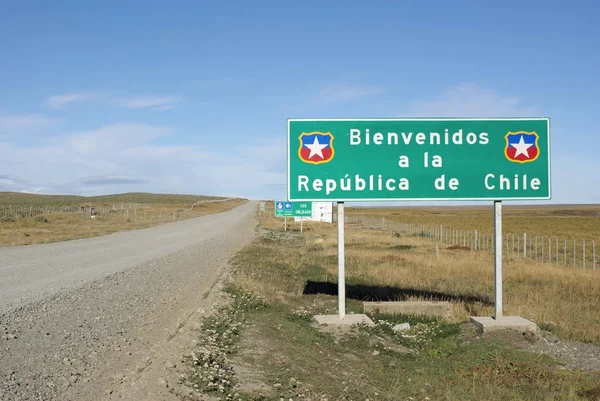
x: 380, y: 265
x: 296, y: 273
x: 55, y: 227
x: 581, y: 222
x: 18, y: 198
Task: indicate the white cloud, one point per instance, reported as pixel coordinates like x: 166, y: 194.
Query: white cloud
x: 155, y: 102
x: 61, y: 101
x: 112, y: 180
x: 326, y: 94
x: 107, y: 138
x: 469, y: 100
x: 24, y: 121
x: 158, y: 102
x: 343, y: 92
x: 125, y: 157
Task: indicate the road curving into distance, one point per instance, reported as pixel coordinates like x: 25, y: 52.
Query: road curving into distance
x: 100, y: 318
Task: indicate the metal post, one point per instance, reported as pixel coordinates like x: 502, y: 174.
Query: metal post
x: 513, y: 245
x: 341, y: 267
x: 285, y: 224
x: 542, y: 250
x: 593, y: 255
x: 498, y: 257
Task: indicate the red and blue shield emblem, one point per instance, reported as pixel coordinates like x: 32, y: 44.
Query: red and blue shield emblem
x: 316, y: 147
x: 522, y: 146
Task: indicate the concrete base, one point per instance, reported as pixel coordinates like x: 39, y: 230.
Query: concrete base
x: 486, y: 324
x: 426, y: 308
x: 348, y: 320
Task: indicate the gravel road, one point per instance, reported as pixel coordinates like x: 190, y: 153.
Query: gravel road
x: 110, y: 317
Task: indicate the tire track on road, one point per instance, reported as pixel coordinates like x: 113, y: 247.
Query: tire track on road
x: 118, y: 334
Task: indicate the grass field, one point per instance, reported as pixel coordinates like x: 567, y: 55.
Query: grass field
x: 581, y: 222
x: 23, y: 199
x: 567, y: 298
x: 278, y: 352
x: 56, y: 226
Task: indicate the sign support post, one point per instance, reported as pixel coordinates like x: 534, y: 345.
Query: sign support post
x: 420, y: 159
x: 287, y: 209
x: 341, y: 267
x: 498, y: 258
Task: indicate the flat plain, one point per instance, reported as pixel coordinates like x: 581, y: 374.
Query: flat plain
x: 581, y: 222
x: 262, y: 344
x: 110, y: 317
x: 285, y: 277
x: 565, y: 298
x: 43, y: 219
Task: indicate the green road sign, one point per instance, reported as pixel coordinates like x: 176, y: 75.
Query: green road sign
x: 293, y: 209
x: 418, y: 159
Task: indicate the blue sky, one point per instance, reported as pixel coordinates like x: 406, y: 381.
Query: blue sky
x: 193, y: 97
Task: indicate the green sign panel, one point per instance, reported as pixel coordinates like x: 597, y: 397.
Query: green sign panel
x: 419, y: 159
x: 293, y: 209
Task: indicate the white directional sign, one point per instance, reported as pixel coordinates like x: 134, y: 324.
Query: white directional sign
x: 321, y: 212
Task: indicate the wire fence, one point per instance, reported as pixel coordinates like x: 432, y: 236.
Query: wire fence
x: 546, y: 249
x: 16, y: 212
x: 127, y: 209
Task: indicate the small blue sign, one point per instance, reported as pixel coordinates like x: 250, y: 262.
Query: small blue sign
x: 291, y: 209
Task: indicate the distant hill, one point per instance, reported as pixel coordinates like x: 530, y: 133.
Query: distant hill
x: 18, y: 198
